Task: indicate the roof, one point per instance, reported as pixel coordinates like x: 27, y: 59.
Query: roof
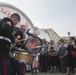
x: 18, y: 10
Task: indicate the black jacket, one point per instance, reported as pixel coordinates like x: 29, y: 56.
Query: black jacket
x: 19, y: 33
x: 6, y: 30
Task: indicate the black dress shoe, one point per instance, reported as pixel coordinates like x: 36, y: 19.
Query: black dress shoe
x: 45, y: 71
x: 67, y: 73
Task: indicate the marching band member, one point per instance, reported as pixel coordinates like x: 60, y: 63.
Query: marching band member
x: 18, y: 36
x: 6, y: 38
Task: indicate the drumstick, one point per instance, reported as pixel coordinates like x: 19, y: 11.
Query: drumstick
x: 38, y: 47
x: 18, y: 49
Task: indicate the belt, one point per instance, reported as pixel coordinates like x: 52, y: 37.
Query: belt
x: 5, y: 38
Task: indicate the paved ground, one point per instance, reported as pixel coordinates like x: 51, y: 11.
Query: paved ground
x: 48, y: 74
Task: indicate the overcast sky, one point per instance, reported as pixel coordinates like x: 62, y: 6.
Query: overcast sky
x: 60, y: 15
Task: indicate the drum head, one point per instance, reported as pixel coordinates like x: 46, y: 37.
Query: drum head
x: 32, y: 43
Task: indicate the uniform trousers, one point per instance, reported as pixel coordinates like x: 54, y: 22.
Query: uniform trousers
x: 5, y: 67
x: 17, y: 68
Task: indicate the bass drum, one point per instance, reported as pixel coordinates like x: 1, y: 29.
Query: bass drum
x: 33, y: 42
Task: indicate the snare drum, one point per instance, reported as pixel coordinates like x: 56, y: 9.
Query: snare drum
x: 23, y: 57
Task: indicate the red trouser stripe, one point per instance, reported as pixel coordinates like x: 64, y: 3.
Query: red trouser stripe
x: 5, y: 70
x: 20, y: 69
